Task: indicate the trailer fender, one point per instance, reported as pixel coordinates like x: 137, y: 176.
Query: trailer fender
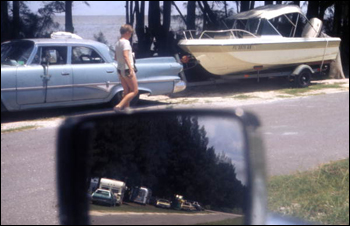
x: 300, y: 68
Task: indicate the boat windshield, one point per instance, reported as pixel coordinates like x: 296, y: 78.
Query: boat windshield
x: 251, y: 25
x: 16, y: 53
x: 287, y: 25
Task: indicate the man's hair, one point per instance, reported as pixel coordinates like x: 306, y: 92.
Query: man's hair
x: 125, y: 28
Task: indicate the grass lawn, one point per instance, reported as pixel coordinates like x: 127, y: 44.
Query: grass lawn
x: 321, y: 195
x: 236, y: 221
x: 300, y: 91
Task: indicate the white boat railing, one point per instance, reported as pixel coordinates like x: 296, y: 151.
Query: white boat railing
x: 234, y: 33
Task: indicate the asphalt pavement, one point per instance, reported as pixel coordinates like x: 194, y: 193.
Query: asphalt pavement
x: 299, y: 134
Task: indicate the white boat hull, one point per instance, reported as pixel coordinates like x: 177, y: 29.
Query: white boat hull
x: 233, y: 56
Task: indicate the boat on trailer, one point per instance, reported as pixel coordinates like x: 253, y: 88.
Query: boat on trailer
x: 267, y: 38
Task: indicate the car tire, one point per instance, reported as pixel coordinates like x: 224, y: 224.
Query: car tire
x: 303, y: 79
x: 3, y: 108
x: 119, y: 96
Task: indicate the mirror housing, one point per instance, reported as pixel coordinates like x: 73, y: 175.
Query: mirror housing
x: 73, y: 158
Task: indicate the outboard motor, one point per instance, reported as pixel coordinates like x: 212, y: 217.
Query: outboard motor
x: 312, y: 29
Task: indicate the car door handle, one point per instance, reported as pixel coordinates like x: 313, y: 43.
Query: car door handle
x: 65, y: 73
x: 110, y: 71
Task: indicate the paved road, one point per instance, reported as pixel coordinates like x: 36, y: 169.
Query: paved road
x: 299, y: 133
x: 28, y: 177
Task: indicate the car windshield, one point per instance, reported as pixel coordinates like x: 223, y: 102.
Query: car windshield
x: 16, y: 53
x: 104, y: 193
x: 162, y: 200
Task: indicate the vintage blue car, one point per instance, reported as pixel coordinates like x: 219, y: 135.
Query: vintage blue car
x: 40, y: 73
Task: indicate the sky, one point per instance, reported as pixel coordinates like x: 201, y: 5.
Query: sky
x: 98, y: 7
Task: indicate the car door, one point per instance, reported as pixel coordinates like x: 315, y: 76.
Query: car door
x: 92, y: 74
x: 34, y: 88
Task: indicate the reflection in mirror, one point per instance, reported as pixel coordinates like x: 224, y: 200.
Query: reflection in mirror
x: 168, y: 170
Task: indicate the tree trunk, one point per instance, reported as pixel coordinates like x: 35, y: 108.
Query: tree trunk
x: 296, y: 3
x: 245, y: 6
x: 154, y: 22
x: 166, y: 42
x: 225, y: 4
x: 144, y: 42
x: 132, y: 13
x: 191, y: 15
x: 252, y: 5
x: 337, y: 18
x: 16, y: 20
x: 69, y: 17
x: 205, y: 20
x: 127, y: 12
x: 5, y: 31
x: 313, y: 9
x: 211, y: 16
x: 178, y: 10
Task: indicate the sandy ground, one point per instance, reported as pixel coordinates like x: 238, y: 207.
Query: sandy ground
x: 232, y: 94
x: 238, y: 94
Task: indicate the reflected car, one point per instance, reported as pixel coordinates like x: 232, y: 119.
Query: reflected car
x: 43, y: 73
x: 103, y: 197
x: 187, y: 206
x: 198, y: 206
x: 163, y: 203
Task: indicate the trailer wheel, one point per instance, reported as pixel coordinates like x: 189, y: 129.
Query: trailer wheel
x: 303, y: 79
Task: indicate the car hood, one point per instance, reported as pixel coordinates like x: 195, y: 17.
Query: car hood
x: 7, y: 66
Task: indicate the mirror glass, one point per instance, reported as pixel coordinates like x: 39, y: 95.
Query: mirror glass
x: 179, y: 169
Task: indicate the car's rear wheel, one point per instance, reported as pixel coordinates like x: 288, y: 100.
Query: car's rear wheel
x: 119, y: 96
x: 3, y: 108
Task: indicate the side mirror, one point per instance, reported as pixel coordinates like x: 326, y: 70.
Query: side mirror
x: 162, y: 164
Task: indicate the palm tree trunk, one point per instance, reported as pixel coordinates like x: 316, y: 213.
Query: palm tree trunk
x: 16, y: 20
x: 69, y: 17
x: 191, y: 15
x: 5, y: 31
x: 127, y: 12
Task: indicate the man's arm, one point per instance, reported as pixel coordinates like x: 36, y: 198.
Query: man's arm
x: 128, y: 61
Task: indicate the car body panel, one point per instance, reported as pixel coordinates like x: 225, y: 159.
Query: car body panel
x: 103, y: 199
x: 163, y: 204
x: 69, y: 84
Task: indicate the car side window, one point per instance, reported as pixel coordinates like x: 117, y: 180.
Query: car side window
x: 84, y: 55
x: 57, y: 55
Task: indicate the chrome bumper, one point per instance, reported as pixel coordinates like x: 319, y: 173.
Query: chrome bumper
x: 179, y: 86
